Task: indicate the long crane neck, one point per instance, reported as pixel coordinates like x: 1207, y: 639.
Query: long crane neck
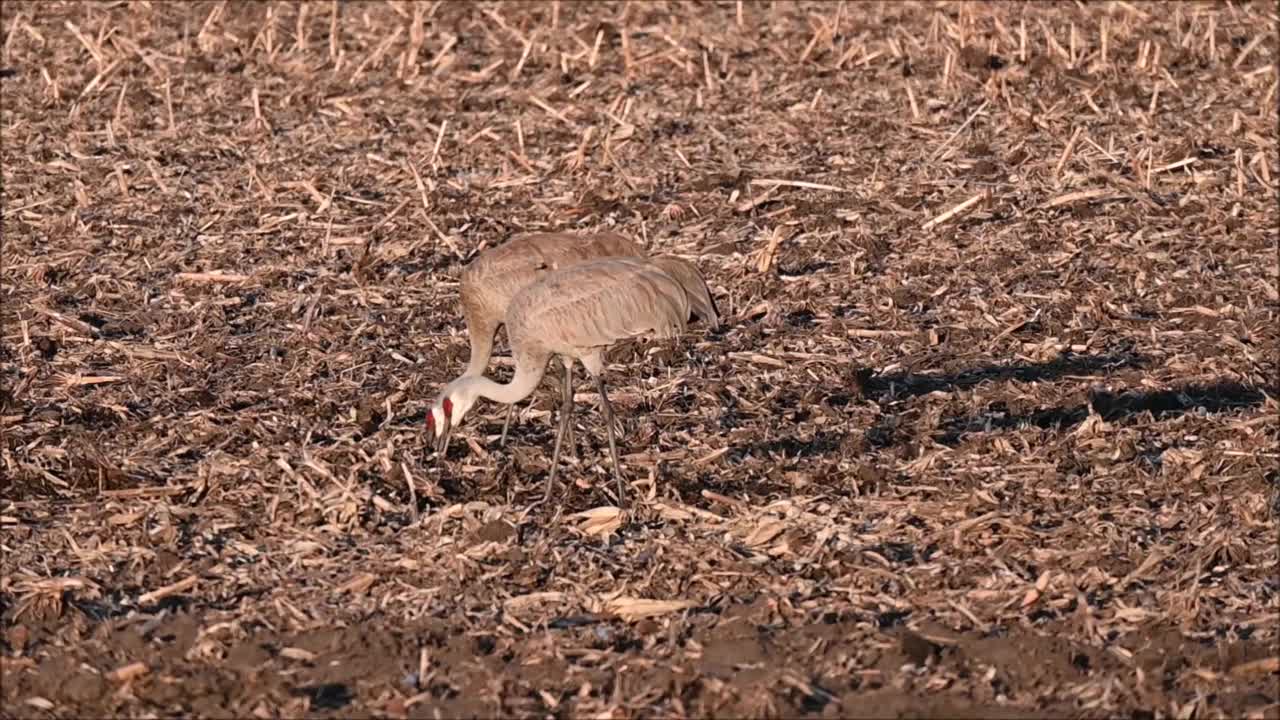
x: 481, y: 351
x: 475, y: 366
x: 522, y: 385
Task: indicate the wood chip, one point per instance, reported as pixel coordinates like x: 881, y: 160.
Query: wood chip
x: 358, y: 584
x: 1079, y: 196
x: 633, y: 608
x: 758, y: 359
x: 1262, y: 666
x: 955, y: 211
x: 602, y: 521
x: 179, y: 587
x: 128, y: 672
x: 211, y: 277
x: 294, y: 653
x: 522, y: 602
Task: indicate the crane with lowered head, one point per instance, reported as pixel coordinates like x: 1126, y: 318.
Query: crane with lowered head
x: 493, y: 278
x: 577, y: 313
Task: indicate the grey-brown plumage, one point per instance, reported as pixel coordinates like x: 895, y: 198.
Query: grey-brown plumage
x: 594, y: 304
x: 493, y: 278
x: 577, y: 312
x: 694, y: 285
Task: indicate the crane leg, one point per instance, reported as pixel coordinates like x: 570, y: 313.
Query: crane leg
x: 573, y: 447
x: 566, y: 416
x: 613, y: 446
x: 502, y: 442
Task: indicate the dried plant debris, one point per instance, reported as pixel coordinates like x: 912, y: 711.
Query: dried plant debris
x: 989, y: 428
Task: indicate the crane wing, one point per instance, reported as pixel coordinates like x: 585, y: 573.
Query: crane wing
x: 493, y: 278
x: 598, y: 303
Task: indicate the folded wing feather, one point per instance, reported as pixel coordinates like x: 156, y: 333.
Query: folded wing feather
x: 597, y: 303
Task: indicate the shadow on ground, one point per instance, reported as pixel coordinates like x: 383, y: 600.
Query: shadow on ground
x: 1218, y: 397
x: 898, y: 386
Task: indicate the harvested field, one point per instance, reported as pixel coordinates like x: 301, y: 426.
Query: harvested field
x: 989, y: 429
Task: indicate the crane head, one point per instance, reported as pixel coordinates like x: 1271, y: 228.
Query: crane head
x: 450, y: 406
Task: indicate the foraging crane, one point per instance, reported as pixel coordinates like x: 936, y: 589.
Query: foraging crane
x: 493, y: 278
x: 577, y: 312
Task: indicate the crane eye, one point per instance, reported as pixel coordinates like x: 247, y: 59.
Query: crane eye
x: 448, y: 408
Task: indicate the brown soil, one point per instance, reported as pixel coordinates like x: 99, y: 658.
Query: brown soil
x: 1017, y: 460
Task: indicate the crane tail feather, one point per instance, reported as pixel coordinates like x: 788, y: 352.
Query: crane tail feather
x: 695, y: 287
x: 704, y: 307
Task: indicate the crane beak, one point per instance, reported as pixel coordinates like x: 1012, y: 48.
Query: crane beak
x: 442, y: 442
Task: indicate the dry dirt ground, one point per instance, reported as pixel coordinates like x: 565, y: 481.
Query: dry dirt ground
x: 989, y: 430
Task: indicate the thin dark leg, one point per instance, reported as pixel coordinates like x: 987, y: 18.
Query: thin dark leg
x: 566, y: 415
x: 613, y: 447
x: 573, y: 448
x: 505, y: 424
x: 511, y: 410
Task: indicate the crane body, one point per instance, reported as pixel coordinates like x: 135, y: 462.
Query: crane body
x: 495, y: 276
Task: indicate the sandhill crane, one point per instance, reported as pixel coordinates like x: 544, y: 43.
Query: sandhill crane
x: 577, y: 312
x: 493, y: 278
